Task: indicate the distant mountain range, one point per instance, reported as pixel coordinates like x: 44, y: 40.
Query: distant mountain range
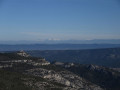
x: 55, y: 41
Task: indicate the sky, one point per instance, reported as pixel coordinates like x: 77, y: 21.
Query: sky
x: 59, y: 19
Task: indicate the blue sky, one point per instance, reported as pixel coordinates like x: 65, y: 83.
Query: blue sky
x: 59, y: 19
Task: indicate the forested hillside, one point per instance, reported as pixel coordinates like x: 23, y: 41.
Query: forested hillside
x: 106, y: 57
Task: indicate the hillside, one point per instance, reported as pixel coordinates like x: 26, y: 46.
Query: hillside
x: 102, y: 76
x: 30, y: 73
x: 38, y: 74
x: 17, y: 81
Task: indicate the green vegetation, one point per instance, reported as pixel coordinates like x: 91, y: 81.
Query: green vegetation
x: 12, y: 81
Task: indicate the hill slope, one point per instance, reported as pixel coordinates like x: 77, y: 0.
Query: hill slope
x: 28, y: 73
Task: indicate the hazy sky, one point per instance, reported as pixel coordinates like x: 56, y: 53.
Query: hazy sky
x: 59, y: 19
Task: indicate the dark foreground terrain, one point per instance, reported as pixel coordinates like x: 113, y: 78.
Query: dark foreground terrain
x: 20, y: 71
